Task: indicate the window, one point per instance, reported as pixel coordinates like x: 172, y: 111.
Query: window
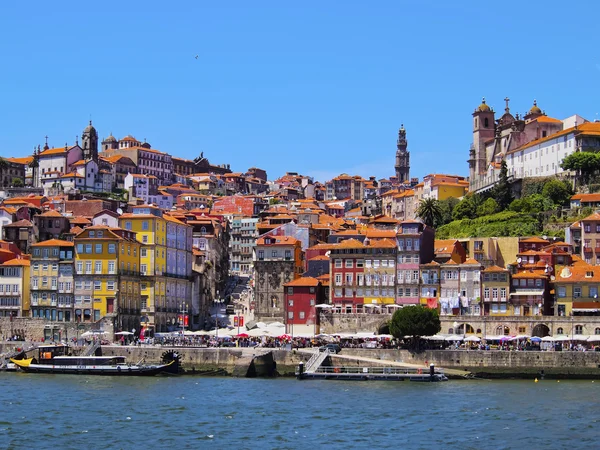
x: 143, y: 269
x: 111, y: 267
x: 88, y: 248
x: 128, y: 225
x: 301, y: 314
x: 562, y: 291
x: 576, y: 291
x: 143, y: 252
x: 559, y: 331
x: 349, y: 263
x: 291, y: 302
x: 112, y: 248
x: 88, y: 267
x: 79, y: 248
x: 338, y: 263
x: 290, y: 314
x: 145, y: 239
x: 145, y: 225
x: 290, y: 290
x: 97, y: 285
x: 98, y: 267
x: 578, y: 329
x: 359, y: 263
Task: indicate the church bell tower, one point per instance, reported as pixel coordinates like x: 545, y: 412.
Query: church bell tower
x: 402, y: 157
x: 89, y: 143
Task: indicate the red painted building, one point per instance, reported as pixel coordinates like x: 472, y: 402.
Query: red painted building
x: 346, y: 268
x: 301, y: 296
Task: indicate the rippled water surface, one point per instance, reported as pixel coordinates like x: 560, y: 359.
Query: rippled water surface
x: 78, y: 412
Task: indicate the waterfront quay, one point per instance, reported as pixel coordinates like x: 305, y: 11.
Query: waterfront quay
x: 456, y: 364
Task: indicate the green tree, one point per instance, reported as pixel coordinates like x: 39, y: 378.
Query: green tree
x: 502, y: 191
x: 415, y: 321
x: 518, y: 205
x: 3, y: 163
x: 490, y: 206
x: 465, y: 209
x: 585, y: 164
x: 429, y: 211
x: 558, y: 191
x: 447, y: 207
x: 538, y: 203
x: 17, y: 182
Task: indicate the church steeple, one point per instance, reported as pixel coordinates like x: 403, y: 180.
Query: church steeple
x: 89, y: 143
x: 402, y: 157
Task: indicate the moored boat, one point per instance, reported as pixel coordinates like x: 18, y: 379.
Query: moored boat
x: 56, y: 359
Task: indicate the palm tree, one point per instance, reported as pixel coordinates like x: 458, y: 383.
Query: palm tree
x: 429, y: 211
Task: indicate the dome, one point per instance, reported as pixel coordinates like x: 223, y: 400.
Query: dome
x: 483, y: 107
x: 111, y: 138
x: 535, y: 108
x: 89, y: 128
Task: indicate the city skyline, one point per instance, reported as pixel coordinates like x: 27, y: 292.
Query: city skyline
x: 315, y: 90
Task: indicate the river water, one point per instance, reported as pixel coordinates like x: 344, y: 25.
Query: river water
x: 79, y: 412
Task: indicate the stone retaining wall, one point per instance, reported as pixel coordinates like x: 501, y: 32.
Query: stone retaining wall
x: 38, y: 329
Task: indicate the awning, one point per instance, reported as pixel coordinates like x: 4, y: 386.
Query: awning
x: 586, y: 309
x: 540, y: 292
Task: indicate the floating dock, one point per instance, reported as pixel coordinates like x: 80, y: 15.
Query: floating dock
x: 314, y: 370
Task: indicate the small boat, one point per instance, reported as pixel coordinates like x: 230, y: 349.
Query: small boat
x: 55, y: 359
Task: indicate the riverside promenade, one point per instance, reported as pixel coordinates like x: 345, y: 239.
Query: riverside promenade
x: 279, y: 362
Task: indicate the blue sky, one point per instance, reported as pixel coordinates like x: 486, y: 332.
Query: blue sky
x: 315, y: 87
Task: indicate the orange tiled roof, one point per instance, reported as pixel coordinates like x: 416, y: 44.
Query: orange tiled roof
x: 17, y: 262
x: 577, y: 273
x: 25, y: 160
x: 546, y: 119
x: 53, y: 243
x: 55, y: 151
x: 444, y: 246
x: 594, y: 217
x: 529, y: 274
x: 279, y: 240
x: 472, y: 261
x: 303, y: 281
x: 51, y: 213
x: 535, y: 240
x: 495, y: 269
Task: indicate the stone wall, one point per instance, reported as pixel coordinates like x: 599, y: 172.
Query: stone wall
x: 215, y: 360
x: 351, y: 323
x: 481, y: 325
x: 496, y: 363
x: 38, y: 329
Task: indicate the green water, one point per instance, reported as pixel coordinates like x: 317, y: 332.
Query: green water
x: 77, y: 412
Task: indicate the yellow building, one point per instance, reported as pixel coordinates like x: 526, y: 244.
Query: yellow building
x: 14, y: 288
x: 165, y: 266
x: 576, y: 290
x: 51, y: 282
x: 107, y: 275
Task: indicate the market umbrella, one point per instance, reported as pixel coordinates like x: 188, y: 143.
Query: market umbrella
x: 548, y: 339
x: 472, y: 339
x: 243, y: 335
x: 536, y: 339
x: 595, y: 338
x: 284, y: 337
x: 123, y: 333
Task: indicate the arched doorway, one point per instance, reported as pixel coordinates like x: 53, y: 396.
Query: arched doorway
x: 540, y: 330
x: 465, y: 328
x: 383, y: 328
